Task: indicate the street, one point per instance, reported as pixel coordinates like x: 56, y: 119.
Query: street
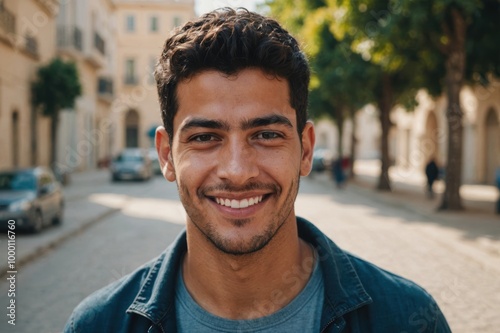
x: 463, y: 277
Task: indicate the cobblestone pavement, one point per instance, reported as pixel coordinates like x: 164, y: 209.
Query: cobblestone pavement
x: 463, y: 278
x: 453, y: 256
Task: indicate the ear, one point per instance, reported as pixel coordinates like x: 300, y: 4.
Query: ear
x: 308, y: 140
x: 165, y: 153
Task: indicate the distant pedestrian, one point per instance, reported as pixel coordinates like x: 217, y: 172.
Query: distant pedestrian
x: 338, y: 173
x: 497, y: 178
x: 432, y: 173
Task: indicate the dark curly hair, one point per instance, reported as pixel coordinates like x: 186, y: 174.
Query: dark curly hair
x: 229, y: 41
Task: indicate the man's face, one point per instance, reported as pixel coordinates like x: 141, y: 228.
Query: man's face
x: 237, y: 157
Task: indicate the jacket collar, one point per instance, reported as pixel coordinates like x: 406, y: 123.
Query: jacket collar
x: 344, y: 291
x: 156, y: 297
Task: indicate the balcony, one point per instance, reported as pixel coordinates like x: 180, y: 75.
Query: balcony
x: 70, y: 39
x: 7, y: 23
x: 96, y: 55
x: 105, y: 89
x: 51, y: 7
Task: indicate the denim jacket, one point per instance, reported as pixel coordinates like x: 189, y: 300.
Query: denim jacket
x: 359, y: 296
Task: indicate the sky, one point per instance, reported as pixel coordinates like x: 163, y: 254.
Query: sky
x: 203, y: 6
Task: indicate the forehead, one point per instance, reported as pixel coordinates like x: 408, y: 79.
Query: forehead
x: 249, y: 93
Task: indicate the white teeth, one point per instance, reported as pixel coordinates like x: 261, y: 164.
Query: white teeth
x: 237, y: 204
x: 244, y: 203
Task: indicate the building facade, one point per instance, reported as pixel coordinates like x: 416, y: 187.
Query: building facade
x: 421, y: 134
x: 27, y: 41
x: 142, y: 28
x: 114, y: 44
x: 86, y: 36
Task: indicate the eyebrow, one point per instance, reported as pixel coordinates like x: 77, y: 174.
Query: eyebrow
x: 205, y: 123
x: 247, y: 124
x: 266, y: 121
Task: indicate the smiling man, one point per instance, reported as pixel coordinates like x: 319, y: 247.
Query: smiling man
x: 233, y: 88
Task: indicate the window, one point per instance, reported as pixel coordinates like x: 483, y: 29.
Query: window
x: 177, y: 21
x: 152, y: 66
x: 130, y: 23
x: 153, y: 24
x: 130, y: 72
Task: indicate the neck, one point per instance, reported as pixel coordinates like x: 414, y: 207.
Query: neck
x: 252, y: 285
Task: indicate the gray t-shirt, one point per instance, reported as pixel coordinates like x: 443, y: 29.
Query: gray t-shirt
x: 302, y: 314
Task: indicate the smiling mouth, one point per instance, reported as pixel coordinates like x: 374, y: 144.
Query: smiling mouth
x: 239, y: 204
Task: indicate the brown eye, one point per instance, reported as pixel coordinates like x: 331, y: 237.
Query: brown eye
x: 268, y: 135
x: 204, y: 137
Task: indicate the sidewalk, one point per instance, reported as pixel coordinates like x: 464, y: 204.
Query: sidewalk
x: 475, y: 230
x: 79, y: 214
x: 476, y: 198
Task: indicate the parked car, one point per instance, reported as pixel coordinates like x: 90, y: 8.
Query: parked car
x: 131, y: 164
x: 322, y: 160
x: 153, y: 155
x: 32, y: 197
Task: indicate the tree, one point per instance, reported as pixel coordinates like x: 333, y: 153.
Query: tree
x: 390, y: 78
x: 455, y: 40
x: 335, y: 68
x: 56, y: 87
x: 468, y: 41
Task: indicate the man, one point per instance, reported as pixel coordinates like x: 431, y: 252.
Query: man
x: 432, y: 174
x: 233, y: 94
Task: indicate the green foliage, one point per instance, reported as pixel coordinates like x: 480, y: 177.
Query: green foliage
x: 482, y: 47
x: 337, y: 72
x: 380, y: 33
x: 56, y: 87
x: 420, y: 33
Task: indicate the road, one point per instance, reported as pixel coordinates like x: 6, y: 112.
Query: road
x: 148, y: 216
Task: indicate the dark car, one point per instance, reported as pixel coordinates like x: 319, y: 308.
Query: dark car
x: 153, y: 155
x: 131, y: 164
x: 32, y: 197
x: 322, y: 160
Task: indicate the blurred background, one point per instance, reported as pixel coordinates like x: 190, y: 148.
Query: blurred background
x: 405, y: 97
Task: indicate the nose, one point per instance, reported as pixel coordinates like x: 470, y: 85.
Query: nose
x: 237, y: 162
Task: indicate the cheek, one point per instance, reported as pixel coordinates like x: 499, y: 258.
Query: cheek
x: 190, y: 169
x: 280, y: 162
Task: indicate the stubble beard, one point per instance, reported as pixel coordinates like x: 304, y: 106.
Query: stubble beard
x: 257, y: 242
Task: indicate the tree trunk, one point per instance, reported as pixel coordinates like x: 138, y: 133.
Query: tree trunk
x: 340, y: 127
x: 353, y: 143
x: 455, y: 68
x: 385, y: 106
x: 34, y: 136
x: 54, y: 122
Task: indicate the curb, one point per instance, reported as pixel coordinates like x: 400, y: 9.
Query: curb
x: 42, y: 249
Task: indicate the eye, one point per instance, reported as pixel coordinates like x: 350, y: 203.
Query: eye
x: 203, y: 138
x: 268, y: 135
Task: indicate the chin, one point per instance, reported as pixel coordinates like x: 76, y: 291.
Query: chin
x: 238, y: 246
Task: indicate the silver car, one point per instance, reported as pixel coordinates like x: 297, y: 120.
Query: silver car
x: 131, y: 164
x: 31, y: 197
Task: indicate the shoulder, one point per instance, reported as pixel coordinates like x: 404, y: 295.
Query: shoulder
x: 106, y: 308
x: 398, y: 302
